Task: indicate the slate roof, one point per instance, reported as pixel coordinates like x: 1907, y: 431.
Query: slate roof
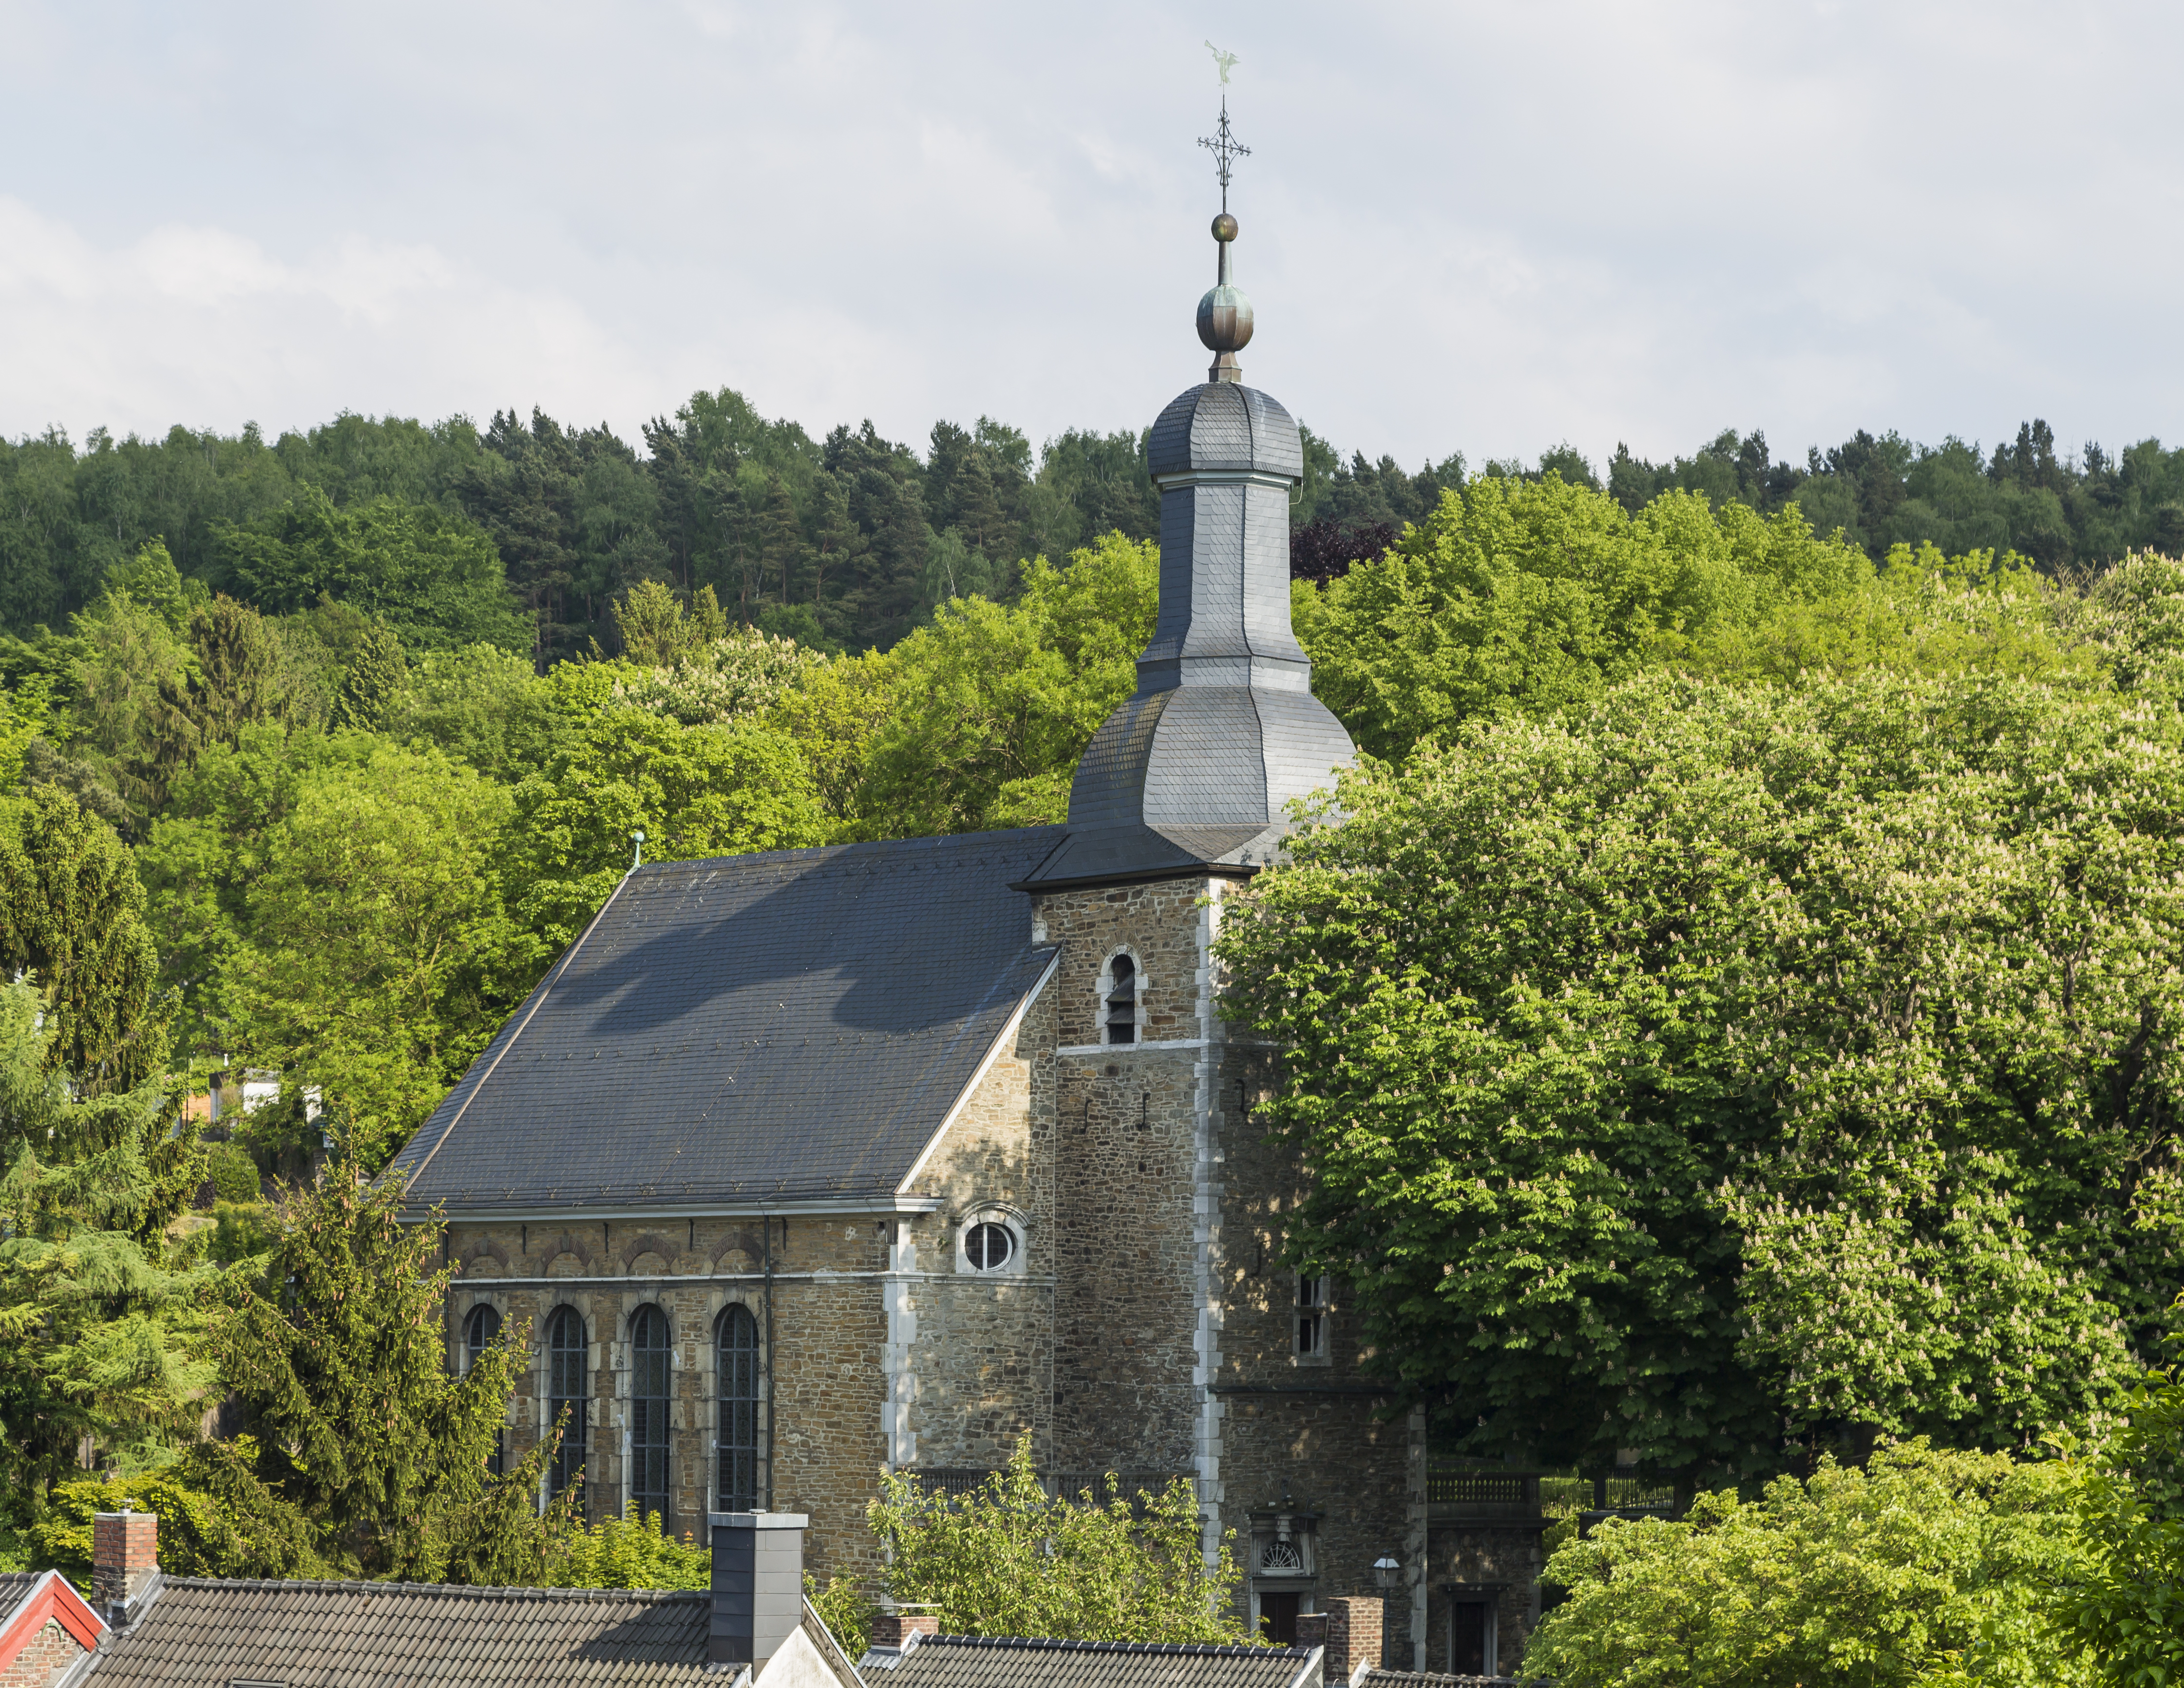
x: 15, y: 1588
x: 205, y: 1633
x: 1225, y: 425
x: 788, y: 1027
x: 1429, y: 1678
x: 997, y: 1661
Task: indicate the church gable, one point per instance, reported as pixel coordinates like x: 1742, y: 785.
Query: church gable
x: 793, y: 1026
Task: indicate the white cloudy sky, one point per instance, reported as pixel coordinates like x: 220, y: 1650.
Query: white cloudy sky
x: 1475, y: 226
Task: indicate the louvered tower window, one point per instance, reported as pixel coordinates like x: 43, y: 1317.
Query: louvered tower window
x: 737, y: 1448
x: 1122, y: 1001
x: 649, y: 1346
x: 479, y: 1331
x: 567, y: 1389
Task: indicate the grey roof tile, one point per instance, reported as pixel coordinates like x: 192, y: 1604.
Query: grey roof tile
x: 15, y: 1588
x: 788, y: 1026
x: 204, y: 1633
x: 990, y: 1662
x: 1224, y: 425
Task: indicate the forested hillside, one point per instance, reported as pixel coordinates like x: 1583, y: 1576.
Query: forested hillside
x: 524, y: 534
x: 1708, y: 876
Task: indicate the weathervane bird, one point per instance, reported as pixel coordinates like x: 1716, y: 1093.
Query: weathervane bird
x: 1221, y: 143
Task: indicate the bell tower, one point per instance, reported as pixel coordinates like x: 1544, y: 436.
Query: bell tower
x: 1197, y: 767
x: 1181, y: 1347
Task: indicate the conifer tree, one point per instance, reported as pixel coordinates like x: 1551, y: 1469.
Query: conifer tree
x: 72, y: 917
x: 366, y: 1445
x: 98, y: 1316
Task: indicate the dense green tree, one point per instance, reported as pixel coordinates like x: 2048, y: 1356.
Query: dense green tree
x: 371, y: 677
x: 1518, y: 595
x: 2125, y: 1603
x: 693, y: 791
x: 378, y: 957
x: 333, y: 912
x: 481, y: 704
x: 993, y: 704
x: 434, y: 577
x: 368, y: 1451
x: 1714, y: 1067
x: 1925, y: 1569
x: 1009, y: 1559
x: 72, y: 918
x: 97, y: 1307
x: 655, y: 631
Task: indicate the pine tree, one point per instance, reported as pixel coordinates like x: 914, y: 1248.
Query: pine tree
x: 72, y: 918
x: 371, y: 679
x: 97, y: 1308
x: 363, y: 1440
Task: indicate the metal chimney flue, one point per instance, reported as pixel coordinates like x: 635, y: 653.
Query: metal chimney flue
x: 758, y: 1585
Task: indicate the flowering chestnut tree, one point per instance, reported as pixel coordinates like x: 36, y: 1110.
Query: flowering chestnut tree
x: 1716, y: 1075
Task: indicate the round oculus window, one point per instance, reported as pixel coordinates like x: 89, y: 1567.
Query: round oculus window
x: 989, y: 1246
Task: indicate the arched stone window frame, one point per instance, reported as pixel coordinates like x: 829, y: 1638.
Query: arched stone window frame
x: 483, y: 1309
x: 640, y: 1400
x: 576, y: 1451
x: 1009, y: 1219
x: 724, y: 1440
x: 1107, y: 986
x: 467, y: 1348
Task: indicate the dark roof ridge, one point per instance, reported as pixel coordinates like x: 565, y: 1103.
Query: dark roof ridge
x: 470, y: 1590
x: 1194, y: 1649
x: 850, y: 848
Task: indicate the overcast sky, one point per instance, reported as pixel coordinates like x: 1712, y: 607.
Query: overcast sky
x: 1465, y: 226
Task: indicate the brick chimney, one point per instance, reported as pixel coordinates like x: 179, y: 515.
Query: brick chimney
x: 1350, y: 1630
x: 758, y: 1585
x: 125, y: 1557
x: 894, y: 1628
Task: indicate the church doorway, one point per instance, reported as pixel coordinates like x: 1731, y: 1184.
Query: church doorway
x: 1471, y: 1636
x: 1278, y: 1616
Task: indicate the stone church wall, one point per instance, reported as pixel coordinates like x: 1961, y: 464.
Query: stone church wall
x: 977, y: 1348
x: 1124, y: 1119
x: 1298, y: 1433
x: 826, y: 1366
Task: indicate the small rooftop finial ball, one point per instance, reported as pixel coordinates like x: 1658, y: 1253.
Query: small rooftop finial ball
x: 1224, y: 228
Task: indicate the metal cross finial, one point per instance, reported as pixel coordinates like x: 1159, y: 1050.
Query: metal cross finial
x: 1222, y: 144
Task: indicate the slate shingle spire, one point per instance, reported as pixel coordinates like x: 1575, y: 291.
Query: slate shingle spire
x: 1223, y: 731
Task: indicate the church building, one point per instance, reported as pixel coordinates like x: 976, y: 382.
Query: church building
x: 805, y: 1165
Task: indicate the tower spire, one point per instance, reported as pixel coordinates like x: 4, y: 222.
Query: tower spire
x: 1196, y: 769
x: 1224, y: 315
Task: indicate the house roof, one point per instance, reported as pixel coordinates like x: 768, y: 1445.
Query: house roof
x: 207, y: 1633
x: 15, y: 1588
x: 29, y: 1600
x: 1429, y: 1679
x: 786, y: 1028
x: 1005, y: 1662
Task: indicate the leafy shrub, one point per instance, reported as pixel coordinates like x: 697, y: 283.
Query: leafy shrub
x: 1875, y: 1577
x: 234, y: 1173
x: 626, y: 1553
x: 844, y: 1610
x: 1009, y: 1559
